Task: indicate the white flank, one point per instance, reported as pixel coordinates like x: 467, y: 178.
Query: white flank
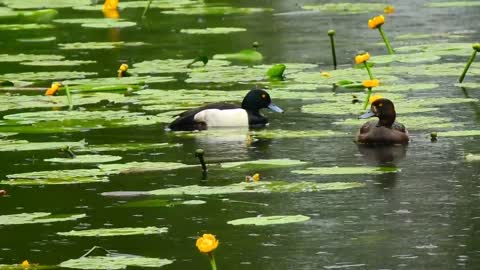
x: 223, y: 118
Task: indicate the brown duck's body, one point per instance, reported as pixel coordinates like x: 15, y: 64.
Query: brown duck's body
x: 384, y: 131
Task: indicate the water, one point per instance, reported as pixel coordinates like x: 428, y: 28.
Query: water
x: 424, y: 217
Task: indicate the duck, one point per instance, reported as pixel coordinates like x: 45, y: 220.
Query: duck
x: 385, y: 131
x: 227, y: 115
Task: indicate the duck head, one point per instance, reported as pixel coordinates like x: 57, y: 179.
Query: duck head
x: 383, y: 109
x: 258, y: 99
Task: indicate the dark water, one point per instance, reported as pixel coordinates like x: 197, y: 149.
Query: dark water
x: 425, y: 217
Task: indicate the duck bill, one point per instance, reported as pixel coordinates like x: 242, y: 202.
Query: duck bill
x: 368, y: 114
x: 275, y: 108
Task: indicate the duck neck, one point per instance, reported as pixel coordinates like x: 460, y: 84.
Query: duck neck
x: 387, y: 120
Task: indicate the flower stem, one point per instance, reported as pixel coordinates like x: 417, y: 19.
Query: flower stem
x: 368, y: 98
x: 331, y: 34
x: 385, y: 39
x: 470, y: 61
x: 69, y: 97
x: 368, y: 70
x: 146, y: 8
x: 212, y: 261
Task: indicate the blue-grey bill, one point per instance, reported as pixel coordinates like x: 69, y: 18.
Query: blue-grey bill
x: 368, y: 114
x: 275, y: 108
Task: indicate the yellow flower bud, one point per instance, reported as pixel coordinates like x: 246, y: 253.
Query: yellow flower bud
x: 110, y: 4
x: 370, y: 83
x: 326, y: 74
x: 389, y: 10
x: 53, y: 90
x: 476, y: 47
x: 256, y: 177
x: 376, y: 21
x: 122, y: 70
x: 362, y: 58
x: 207, y: 243
x: 25, y: 264
x: 374, y: 98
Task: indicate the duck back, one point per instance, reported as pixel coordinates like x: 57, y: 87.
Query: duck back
x: 186, y: 120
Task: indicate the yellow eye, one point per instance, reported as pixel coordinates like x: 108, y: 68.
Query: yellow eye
x: 380, y: 105
x: 264, y: 96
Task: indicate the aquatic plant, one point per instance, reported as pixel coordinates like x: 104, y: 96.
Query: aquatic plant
x: 331, y: 34
x: 476, y: 48
x: 369, y: 84
x: 207, y: 244
x: 389, y: 10
x: 376, y: 23
x: 53, y: 89
x: 362, y: 58
x: 122, y: 71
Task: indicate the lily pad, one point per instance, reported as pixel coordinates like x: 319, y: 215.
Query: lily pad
x: 107, y: 232
x: 98, y: 45
x: 57, y: 177
x: 36, y: 4
x: 160, y: 4
x: 37, y: 40
x: 85, y: 159
x: 47, y: 76
x: 29, y: 57
x: 21, y: 267
x: 126, y: 147
x: 176, y: 66
x: 244, y: 187
x: 22, y: 145
x: 472, y: 157
x: 347, y: 170
x: 114, y: 262
x: 244, y: 55
x: 450, y: 4
x: 263, y: 163
x: 459, y: 133
x: 116, y: 81
x: 268, y: 220
x: 215, y: 10
x: 136, y: 167
x: 469, y: 85
x: 37, y: 217
x: 405, y: 58
x: 346, y: 8
x: 98, y: 22
x: 213, y: 30
x: 49, y: 63
x: 29, y: 26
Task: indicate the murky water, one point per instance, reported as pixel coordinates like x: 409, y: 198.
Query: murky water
x: 426, y: 216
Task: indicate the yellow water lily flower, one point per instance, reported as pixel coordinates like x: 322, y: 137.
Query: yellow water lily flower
x: 389, y: 10
x: 111, y: 13
x: 25, y: 264
x: 53, y: 90
x: 374, y: 98
x: 362, y: 58
x: 110, y: 4
x: 376, y: 22
x: 325, y: 74
x: 476, y: 47
x: 122, y: 70
x: 207, y: 243
x: 370, y: 83
x: 256, y: 177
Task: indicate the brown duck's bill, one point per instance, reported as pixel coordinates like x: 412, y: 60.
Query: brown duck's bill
x: 275, y: 108
x: 368, y: 114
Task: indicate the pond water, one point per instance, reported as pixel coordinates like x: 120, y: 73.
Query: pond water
x: 423, y: 215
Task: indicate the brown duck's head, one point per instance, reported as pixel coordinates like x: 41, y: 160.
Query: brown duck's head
x: 383, y: 109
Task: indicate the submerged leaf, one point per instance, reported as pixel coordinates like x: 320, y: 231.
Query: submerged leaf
x: 114, y: 262
x: 268, y: 220
x: 105, y: 232
x: 37, y: 217
x: 347, y: 170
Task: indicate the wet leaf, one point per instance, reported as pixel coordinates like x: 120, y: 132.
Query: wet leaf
x: 176, y: 66
x: 213, y: 30
x: 161, y: 4
x: 37, y: 217
x: 36, y: 40
x: 405, y: 58
x: 126, y: 147
x: 29, y: 57
x: 472, y: 157
x: 244, y: 55
x: 347, y: 8
x: 98, y: 22
x: 450, y: 4
x: 276, y: 71
x: 57, y: 177
x: 49, y: 63
x: 98, y: 45
x: 268, y: 220
x: 22, y: 145
x: 107, y: 232
x: 215, y: 10
x: 36, y: 4
x: 137, y: 167
x: 114, y: 262
x: 85, y: 159
x: 30, y: 26
x: 47, y: 76
x: 470, y: 85
x: 124, y: 80
x: 347, y: 170
x: 263, y: 163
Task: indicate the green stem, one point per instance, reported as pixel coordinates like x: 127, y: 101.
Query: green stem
x: 69, y: 97
x: 146, y: 9
x: 332, y: 44
x: 212, y: 261
x: 368, y: 70
x: 385, y: 39
x: 368, y: 98
x: 470, y: 61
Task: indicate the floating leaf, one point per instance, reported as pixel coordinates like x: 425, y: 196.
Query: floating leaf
x: 470, y: 85
x: 37, y: 217
x: 49, y: 63
x: 472, y: 157
x: 459, y: 133
x: 31, y: 267
x: 346, y: 8
x: 36, y: 40
x: 98, y: 45
x: 276, y: 71
x: 213, y: 30
x: 347, y: 170
x: 117, y: 81
x: 29, y: 57
x: 161, y: 4
x: 107, y: 232
x: 85, y: 159
x: 114, y: 262
x: 404, y: 58
x: 136, y: 167
x: 428, y: 36
x: 18, y: 27
x: 450, y: 4
x: 175, y: 66
x: 126, y: 147
x: 47, y: 76
x: 268, y: 220
x: 215, y: 10
x: 36, y: 4
x: 98, y: 22
x: 244, y: 55
x: 263, y: 163
x: 22, y: 145
x: 57, y: 177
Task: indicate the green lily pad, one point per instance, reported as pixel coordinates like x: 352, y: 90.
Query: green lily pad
x: 114, y: 262
x: 116, y: 81
x: 244, y: 55
x: 405, y: 58
x: 36, y: 16
x: 472, y: 157
x: 29, y: 26
x: 29, y: 57
x: 57, y: 177
x: 22, y: 145
x: 37, y: 40
x: 268, y: 220
x: 215, y: 10
x: 437, y: 48
x: 176, y: 66
x: 346, y: 8
x: 37, y: 217
x: 126, y: 147
x: 263, y: 163
x: 157, y: 4
x: 407, y: 87
x: 36, y: 4
x: 244, y: 187
x: 276, y: 71
x: 49, y: 63
x: 106, y: 232
x: 428, y: 36
x: 98, y: 22
x: 98, y: 45
x: 347, y: 170
x: 137, y: 167
x: 213, y: 30
x: 459, y: 133
x: 47, y: 76
x: 450, y: 4
x: 6, y: 134
x: 32, y: 267
x: 469, y: 85
x: 85, y: 159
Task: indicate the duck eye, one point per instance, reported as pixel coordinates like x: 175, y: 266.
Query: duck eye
x: 264, y: 96
x: 380, y: 105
